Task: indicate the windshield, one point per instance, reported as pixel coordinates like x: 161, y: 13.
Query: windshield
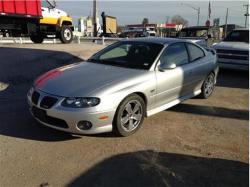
x: 48, y: 4
x: 238, y: 36
x: 129, y: 54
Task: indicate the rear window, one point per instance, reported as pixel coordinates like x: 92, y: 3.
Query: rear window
x: 195, y: 52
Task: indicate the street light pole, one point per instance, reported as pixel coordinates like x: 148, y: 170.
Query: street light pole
x: 196, y: 9
x: 198, y: 21
x: 246, y: 14
x: 225, y: 34
x: 94, y: 18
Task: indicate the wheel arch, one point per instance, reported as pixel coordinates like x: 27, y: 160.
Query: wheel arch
x: 64, y: 21
x: 140, y: 94
x: 143, y: 96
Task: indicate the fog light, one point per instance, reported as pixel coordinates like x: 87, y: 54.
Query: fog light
x: 84, y: 125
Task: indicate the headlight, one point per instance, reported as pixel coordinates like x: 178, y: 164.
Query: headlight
x: 82, y: 102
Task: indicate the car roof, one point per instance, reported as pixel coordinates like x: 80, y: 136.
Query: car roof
x: 157, y: 40
x: 241, y: 29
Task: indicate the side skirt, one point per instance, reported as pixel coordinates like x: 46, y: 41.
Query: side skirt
x: 172, y: 103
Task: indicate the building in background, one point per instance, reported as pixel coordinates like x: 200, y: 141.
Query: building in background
x: 168, y: 29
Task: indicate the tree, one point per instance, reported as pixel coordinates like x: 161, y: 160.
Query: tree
x: 145, y: 21
x: 177, y: 19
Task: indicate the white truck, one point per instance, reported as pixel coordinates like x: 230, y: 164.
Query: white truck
x: 233, y: 51
x: 37, y: 19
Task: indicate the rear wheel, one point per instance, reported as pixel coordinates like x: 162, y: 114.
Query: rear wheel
x: 66, y: 34
x: 130, y: 115
x: 208, y: 86
x: 37, y: 38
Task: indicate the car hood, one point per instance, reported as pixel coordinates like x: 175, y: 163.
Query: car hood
x: 241, y: 46
x: 80, y: 80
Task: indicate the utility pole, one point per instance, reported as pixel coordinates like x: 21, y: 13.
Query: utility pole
x: 246, y: 14
x: 94, y: 18
x: 167, y: 19
x: 225, y: 34
x: 196, y: 9
x: 198, y: 21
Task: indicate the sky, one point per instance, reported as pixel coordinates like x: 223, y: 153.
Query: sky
x: 133, y: 12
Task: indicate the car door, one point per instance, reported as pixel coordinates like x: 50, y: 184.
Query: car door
x: 171, y: 83
x: 199, y: 67
x: 49, y: 13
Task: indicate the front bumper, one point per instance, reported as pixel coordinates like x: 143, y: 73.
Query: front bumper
x: 233, y: 64
x: 57, y: 115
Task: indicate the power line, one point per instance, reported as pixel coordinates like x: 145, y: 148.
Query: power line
x: 196, y: 9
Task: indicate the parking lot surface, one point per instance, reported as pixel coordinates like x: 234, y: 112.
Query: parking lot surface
x: 196, y: 143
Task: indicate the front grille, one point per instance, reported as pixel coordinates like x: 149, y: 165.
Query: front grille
x: 232, y: 54
x: 47, y: 102
x: 42, y: 116
x: 233, y: 57
x: 35, y: 97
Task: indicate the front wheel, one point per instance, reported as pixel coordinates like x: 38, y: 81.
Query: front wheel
x: 66, y: 34
x: 129, y: 116
x: 208, y: 86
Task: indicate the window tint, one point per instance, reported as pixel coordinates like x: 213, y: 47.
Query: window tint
x: 129, y: 54
x: 118, y: 52
x: 176, y: 54
x: 195, y: 52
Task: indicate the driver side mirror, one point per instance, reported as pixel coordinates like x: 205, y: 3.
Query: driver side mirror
x: 52, y: 4
x: 167, y: 66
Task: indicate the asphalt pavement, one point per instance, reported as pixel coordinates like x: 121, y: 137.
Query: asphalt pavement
x: 196, y: 143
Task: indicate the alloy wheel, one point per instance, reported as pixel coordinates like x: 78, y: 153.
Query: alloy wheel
x: 209, y: 85
x: 131, y: 116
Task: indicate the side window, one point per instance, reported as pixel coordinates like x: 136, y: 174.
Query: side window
x: 195, y: 52
x: 45, y: 4
x: 176, y: 54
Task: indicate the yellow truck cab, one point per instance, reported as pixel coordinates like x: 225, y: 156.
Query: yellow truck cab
x: 54, y: 22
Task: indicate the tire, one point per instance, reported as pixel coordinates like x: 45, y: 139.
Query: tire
x: 37, y: 39
x: 66, y: 34
x: 132, y: 119
x: 208, y: 86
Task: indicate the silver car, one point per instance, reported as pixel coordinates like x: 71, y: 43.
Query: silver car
x: 123, y: 83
